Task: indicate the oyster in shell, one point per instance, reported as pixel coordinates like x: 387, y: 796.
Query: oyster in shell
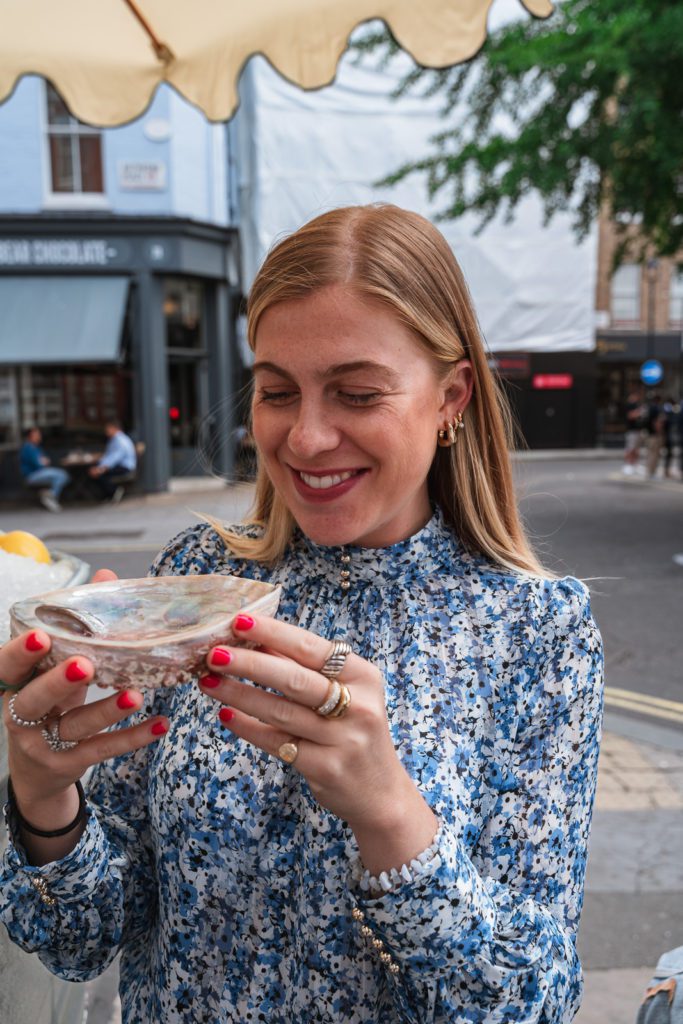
x: 144, y: 633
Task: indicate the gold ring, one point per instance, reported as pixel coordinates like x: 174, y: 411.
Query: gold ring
x: 331, y: 700
x: 288, y: 752
x: 342, y: 705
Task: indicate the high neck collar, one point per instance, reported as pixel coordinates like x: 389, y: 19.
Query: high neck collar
x: 433, y: 546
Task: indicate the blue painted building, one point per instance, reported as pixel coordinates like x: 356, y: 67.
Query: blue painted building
x: 119, y: 281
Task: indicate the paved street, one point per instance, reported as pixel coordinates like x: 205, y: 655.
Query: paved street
x: 622, y: 534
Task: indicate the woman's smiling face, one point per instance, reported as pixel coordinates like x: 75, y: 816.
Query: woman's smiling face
x: 346, y: 409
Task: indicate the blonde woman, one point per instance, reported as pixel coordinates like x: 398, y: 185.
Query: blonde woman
x: 380, y: 812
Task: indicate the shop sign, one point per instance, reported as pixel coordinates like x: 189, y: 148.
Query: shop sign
x: 57, y: 252
x: 512, y: 366
x: 552, y: 381
x: 606, y: 346
x: 142, y: 175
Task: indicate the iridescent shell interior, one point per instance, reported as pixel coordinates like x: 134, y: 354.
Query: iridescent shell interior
x: 144, y: 633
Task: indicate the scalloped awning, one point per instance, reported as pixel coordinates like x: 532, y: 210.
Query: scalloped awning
x: 106, y: 57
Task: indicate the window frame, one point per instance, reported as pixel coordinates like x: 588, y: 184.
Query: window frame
x: 675, y: 311
x: 630, y: 322
x: 73, y: 130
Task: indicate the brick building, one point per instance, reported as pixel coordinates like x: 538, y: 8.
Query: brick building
x: 639, y: 316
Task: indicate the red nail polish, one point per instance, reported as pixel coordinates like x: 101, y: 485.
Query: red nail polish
x: 74, y: 673
x: 159, y: 728
x: 243, y: 622
x: 221, y: 657
x: 226, y: 715
x: 211, y: 680
x: 32, y: 643
x: 125, y: 701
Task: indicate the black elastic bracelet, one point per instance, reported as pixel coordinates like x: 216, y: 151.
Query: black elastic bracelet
x: 32, y: 830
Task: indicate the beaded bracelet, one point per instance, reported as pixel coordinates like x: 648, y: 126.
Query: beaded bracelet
x: 32, y: 830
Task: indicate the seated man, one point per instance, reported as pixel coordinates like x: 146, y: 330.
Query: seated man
x: 37, y: 472
x: 119, y: 460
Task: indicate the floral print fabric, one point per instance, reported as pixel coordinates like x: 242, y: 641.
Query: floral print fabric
x: 234, y: 897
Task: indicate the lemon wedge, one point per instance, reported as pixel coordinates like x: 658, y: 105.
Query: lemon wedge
x: 19, y: 542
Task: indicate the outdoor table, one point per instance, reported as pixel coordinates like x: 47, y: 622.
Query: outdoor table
x: 78, y: 464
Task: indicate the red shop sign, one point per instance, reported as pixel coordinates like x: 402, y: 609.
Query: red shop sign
x: 554, y: 381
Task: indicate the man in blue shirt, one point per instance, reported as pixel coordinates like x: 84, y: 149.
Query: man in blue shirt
x: 37, y: 472
x: 119, y: 461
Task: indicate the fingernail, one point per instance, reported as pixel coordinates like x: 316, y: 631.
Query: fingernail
x: 74, y: 673
x: 210, y: 680
x: 33, y: 643
x: 226, y: 715
x: 243, y: 622
x: 159, y: 728
x: 125, y: 701
x: 221, y: 657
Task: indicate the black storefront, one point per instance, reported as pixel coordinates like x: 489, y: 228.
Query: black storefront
x: 620, y: 357
x: 552, y: 395
x: 125, y: 317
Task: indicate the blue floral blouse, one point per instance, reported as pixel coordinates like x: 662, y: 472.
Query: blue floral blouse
x: 234, y: 897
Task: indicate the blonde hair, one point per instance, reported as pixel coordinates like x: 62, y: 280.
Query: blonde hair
x: 399, y: 258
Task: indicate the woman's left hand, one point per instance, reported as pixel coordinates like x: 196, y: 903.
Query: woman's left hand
x: 349, y: 762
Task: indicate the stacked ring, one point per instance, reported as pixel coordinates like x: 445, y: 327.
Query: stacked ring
x: 331, y: 700
x: 342, y: 704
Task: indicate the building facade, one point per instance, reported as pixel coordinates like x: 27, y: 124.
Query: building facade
x: 639, y: 317
x: 120, y: 283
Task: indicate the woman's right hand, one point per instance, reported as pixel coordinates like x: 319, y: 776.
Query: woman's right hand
x: 43, y: 779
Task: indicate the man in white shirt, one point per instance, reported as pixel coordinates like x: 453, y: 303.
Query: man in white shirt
x: 119, y: 460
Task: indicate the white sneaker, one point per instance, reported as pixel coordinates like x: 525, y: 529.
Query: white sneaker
x: 48, y: 501
x: 117, y: 495
x: 627, y: 470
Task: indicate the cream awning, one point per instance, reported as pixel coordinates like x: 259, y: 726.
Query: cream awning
x: 106, y: 60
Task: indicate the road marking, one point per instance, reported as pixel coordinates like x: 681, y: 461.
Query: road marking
x: 671, y: 710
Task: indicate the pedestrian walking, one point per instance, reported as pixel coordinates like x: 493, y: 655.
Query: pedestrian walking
x: 118, y: 462
x: 668, y: 418
x: 379, y: 810
x: 634, y: 421
x: 655, y: 434
x: 38, y: 472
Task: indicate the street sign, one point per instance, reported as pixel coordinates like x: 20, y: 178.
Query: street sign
x: 651, y: 372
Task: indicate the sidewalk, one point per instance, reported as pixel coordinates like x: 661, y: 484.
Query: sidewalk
x: 633, y: 910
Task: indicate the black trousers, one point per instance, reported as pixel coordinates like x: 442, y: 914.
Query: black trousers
x: 110, y: 479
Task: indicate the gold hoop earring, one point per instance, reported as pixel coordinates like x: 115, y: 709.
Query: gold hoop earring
x: 446, y: 437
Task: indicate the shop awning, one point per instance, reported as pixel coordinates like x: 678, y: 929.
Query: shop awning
x: 61, y: 319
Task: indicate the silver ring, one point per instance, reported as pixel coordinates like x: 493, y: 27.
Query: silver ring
x: 54, y: 741
x: 335, y: 662
x: 25, y: 723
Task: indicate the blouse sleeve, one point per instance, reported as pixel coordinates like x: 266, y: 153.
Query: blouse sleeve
x: 496, y: 942
x: 75, y: 913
